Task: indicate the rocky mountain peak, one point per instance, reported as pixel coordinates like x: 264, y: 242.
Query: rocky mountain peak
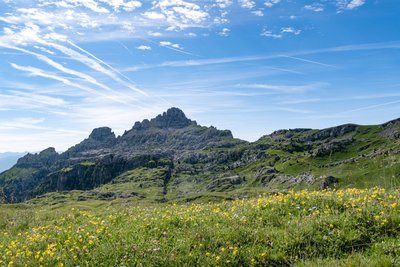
x: 45, y: 157
x: 102, y: 134
x: 172, y: 118
x: 48, y: 151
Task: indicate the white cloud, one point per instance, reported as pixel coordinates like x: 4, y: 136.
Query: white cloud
x: 249, y: 4
x: 316, y: 7
x: 49, y: 75
x: 21, y: 123
x: 180, y: 14
x: 290, y: 30
x: 153, y: 15
x: 169, y: 44
x: 224, y: 32
x: 271, y: 3
x: 18, y: 100
x: 221, y: 20
x: 117, y: 5
x: 89, y: 4
x: 285, y: 89
x: 132, y: 5
x: 355, y: 4
x: 270, y: 34
x: 281, y: 34
x: 97, y: 64
x: 309, y: 61
x: 349, y: 4
x: 143, y: 47
x: 258, y: 13
x: 223, y: 3
x: 43, y: 49
x: 154, y: 34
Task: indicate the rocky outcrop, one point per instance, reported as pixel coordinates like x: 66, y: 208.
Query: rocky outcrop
x: 224, y: 183
x: 391, y: 129
x: 332, y: 132
x: 45, y: 158
x: 172, y: 118
x: 330, y: 182
x: 331, y: 147
x: 100, y: 138
x: 391, y: 123
x: 289, y: 133
x: 102, y: 134
x: 173, y: 130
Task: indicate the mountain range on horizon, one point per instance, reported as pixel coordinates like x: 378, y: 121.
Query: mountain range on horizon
x: 8, y: 159
x: 171, y: 157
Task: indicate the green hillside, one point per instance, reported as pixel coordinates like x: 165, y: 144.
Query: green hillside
x: 171, y: 157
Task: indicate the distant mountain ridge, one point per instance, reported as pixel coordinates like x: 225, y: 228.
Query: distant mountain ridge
x: 8, y: 159
x: 172, y: 157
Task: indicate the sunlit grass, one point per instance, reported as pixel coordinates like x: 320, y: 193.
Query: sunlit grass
x: 321, y: 228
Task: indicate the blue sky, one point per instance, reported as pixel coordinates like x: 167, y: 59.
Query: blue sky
x: 68, y: 66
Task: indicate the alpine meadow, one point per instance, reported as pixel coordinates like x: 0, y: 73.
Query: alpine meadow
x: 199, y: 133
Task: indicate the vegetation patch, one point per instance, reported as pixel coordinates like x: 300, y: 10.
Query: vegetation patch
x: 87, y: 163
x: 298, y: 228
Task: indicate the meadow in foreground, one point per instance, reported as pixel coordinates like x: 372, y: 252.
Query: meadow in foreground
x: 325, y: 228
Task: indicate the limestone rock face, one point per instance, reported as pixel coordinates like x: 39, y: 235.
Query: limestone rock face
x: 100, y: 138
x: 332, y: 132
x: 172, y: 118
x: 102, y: 134
x: 44, y: 158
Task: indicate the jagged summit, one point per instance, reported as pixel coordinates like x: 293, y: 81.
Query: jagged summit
x: 172, y: 130
x: 172, y: 118
x: 102, y: 134
x: 45, y: 157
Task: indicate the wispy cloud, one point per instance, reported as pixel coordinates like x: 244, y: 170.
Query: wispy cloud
x: 271, y: 3
x: 258, y: 13
x: 370, y: 107
x: 349, y: 4
x: 294, y: 110
x: 309, y: 61
x: 114, y: 73
x: 290, y: 30
x: 60, y: 67
x: 21, y: 123
x: 270, y: 34
x: 41, y: 73
x: 143, y: 47
x: 292, y: 55
x: 299, y: 101
x: 249, y: 4
x: 285, y: 89
x: 169, y: 44
x: 316, y: 7
x: 16, y: 100
x: 224, y: 32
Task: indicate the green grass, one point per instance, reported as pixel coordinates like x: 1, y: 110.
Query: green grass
x: 87, y: 163
x: 351, y: 227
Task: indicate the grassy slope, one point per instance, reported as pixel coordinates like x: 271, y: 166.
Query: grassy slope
x: 190, y: 182
x: 323, y: 228
x: 377, y: 170
x: 350, y: 227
